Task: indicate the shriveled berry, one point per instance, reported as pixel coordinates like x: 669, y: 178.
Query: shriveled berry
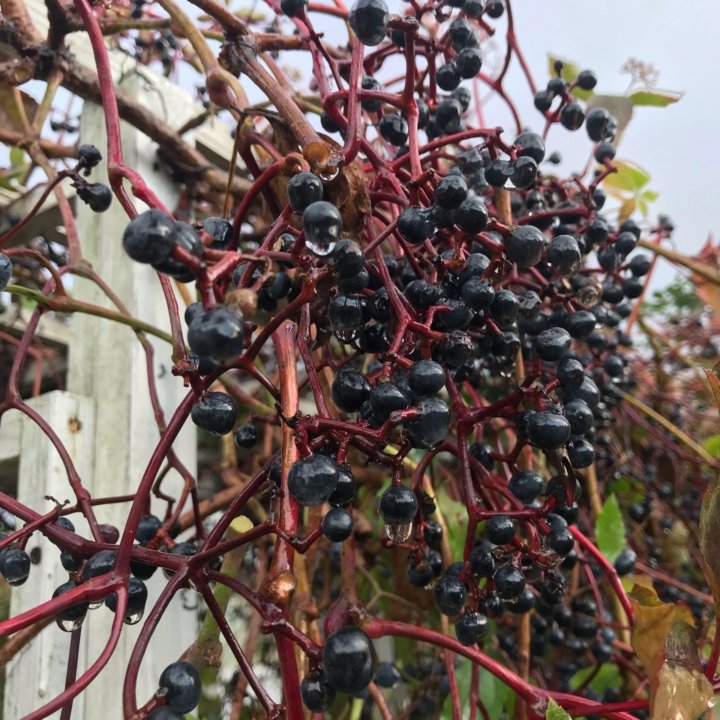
x: 97, y: 196
x: 451, y: 191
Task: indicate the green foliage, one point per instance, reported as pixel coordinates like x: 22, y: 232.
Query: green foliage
x: 677, y: 298
x: 712, y: 445
x: 455, y: 515
x: 654, y: 98
x: 498, y: 698
x: 602, y: 678
x: 610, y: 529
x: 555, y: 712
x: 627, y: 488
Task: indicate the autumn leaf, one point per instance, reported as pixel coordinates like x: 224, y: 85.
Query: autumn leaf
x: 663, y: 638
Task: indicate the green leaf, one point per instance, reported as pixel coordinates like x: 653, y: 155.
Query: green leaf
x: 17, y: 156
x: 610, y: 529
x: 555, y: 712
x: 654, y: 98
x: 607, y: 677
x: 569, y: 72
x: 712, y: 445
x: 650, y: 195
x: 629, y: 176
x: 498, y: 698
x: 455, y: 515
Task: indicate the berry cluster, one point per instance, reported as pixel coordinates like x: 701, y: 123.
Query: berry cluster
x: 419, y: 342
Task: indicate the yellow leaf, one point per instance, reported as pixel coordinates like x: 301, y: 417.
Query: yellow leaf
x: 651, y: 627
x: 627, y: 209
x: 241, y: 525
x: 682, y: 694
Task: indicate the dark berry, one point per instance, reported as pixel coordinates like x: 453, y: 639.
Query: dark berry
x: 572, y: 116
x: 468, y: 62
x: 350, y: 390
x: 451, y: 191
x: 345, y: 491
x: 337, y: 524
x: 551, y: 344
x: 548, y: 430
x: 387, y: 675
x: 89, y: 156
x: 416, y: 224
x: 137, y: 597
x: 478, y: 293
x: 181, y: 682
x: 220, y: 230
x: 430, y: 427
x: 304, y: 189
x: 426, y: 377
x: 447, y: 76
x: 370, y: 83
x: 348, y: 660
x: 499, y: 529
x: 246, y: 436
x: 432, y: 533
x: 586, y: 80
x: 471, y: 627
x: 215, y: 412
x: 97, y: 196
x: 564, y: 254
x: 525, y: 485
x: 625, y: 562
x: 217, y: 333
x: 524, y: 172
x: 579, y: 415
x: 312, y: 480
x: 369, y: 21
x: 149, y: 237
x: 317, y: 695
x: 525, y: 246
x: 571, y: 374
x: 450, y: 594
x: 293, y: 8
x: 509, y: 582
x: 398, y: 505
x: 74, y: 612
x: 99, y: 564
x: 394, y: 129
x: 322, y: 224
x: 599, y: 124
x: 147, y: 528
x: 471, y: 215
x: 530, y: 144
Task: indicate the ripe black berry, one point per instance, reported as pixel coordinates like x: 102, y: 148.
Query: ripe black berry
x: 625, y: 562
x: 472, y: 216
x: 509, y: 582
x: 430, y: 427
x: 70, y: 617
x: 499, y: 529
x: 317, y: 695
x: 322, y: 224
x: 293, y: 8
x: 426, y: 377
x: 99, y: 564
x: 471, y: 627
x: 370, y: 83
x: 215, y: 412
x: 468, y: 62
x: 6, y: 269
x: 572, y: 116
x: 246, y: 436
x: 586, y: 79
x: 416, y: 224
x: 137, y: 597
x: 599, y: 124
x: 147, y: 528
x: 350, y: 390
x: 525, y: 485
x: 181, y: 683
x: 149, y: 237
x: 369, y: 20
x: 551, y: 344
x: 387, y: 675
x: 450, y: 594
x: 579, y: 415
x: 451, y: 191
x: 348, y: 660
x: 186, y: 237
x: 564, y: 254
x: 304, y: 189
x: 337, y: 524
x: 217, y: 333
x: 447, y: 76
x: 312, y: 480
x: 394, y: 129
x: 398, y: 505
x: 524, y: 246
x: 530, y: 144
x: 548, y: 430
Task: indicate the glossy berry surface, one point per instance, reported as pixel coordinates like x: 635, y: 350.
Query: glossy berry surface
x: 317, y: 695
x: 303, y: 189
x: 313, y: 479
x: 369, y: 20
x: 398, y: 504
x: 149, y: 237
x: 215, y: 412
x: 450, y: 594
x: 348, y: 660
x: 217, y: 333
x: 181, y: 682
x: 337, y: 524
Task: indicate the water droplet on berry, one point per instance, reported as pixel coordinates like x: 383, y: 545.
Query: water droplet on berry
x: 69, y: 625
x: 134, y: 617
x: 94, y: 604
x: 320, y: 249
x: 399, y: 532
x: 346, y: 335
x: 589, y: 296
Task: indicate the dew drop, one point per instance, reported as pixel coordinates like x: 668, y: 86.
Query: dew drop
x: 589, y: 296
x: 95, y: 604
x: 133, y: 617
x: 320, y: 249
x: 399, y: 532
x: 346, y: 335
x: 69, y: 625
